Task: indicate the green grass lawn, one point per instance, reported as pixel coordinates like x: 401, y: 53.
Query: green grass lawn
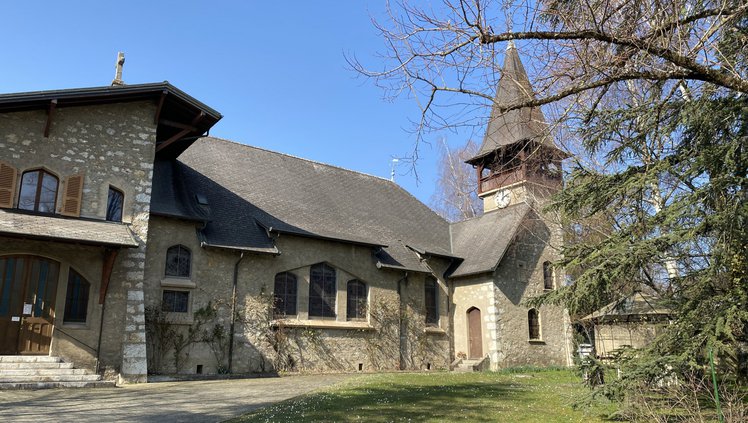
x: 534, y: 396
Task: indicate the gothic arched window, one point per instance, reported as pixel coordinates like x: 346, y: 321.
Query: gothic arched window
x: 322, y: 291
x: 178, y: 258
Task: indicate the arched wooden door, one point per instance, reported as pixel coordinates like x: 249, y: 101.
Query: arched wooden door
x: 475, y: 335
x: 28, y: 286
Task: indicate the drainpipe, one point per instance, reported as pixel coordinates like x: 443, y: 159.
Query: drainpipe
x: 101, y: 328
x: 403, y: 334
x: 233, y: 312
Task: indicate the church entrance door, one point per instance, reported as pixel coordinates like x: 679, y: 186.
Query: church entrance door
x: 475, y: 337
x: 28, y: 286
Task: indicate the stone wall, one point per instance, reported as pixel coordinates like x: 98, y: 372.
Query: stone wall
x: 111, y: 145
x: 518, y: 278
x: 475, y: 292
x: 296, y: 343
x: 501, y: 297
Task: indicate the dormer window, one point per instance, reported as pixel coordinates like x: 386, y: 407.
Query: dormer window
x: 38, y: 191
x: 115, y: 199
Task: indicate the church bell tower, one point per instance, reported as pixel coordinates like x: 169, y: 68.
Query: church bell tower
x: 518, y: 161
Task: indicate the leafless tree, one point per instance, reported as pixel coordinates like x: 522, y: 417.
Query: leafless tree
x: 456, y: 196
x: 445, y: 54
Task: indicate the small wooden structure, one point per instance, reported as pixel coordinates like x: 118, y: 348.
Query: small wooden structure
x: 632, y: 321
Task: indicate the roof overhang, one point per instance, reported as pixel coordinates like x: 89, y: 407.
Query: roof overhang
x: 180, y: 118
x: 60, y: 229
x: 271, y: 250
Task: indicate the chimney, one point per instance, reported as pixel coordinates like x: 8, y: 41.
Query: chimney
x: 118, y: 73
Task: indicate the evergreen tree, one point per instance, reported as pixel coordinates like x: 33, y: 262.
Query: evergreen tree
x: 657, y: 94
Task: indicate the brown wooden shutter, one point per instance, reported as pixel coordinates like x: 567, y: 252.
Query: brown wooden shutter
x: 71, y: 197
x: 8, y: 176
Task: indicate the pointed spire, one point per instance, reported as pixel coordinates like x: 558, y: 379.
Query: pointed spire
x: 516, y: 125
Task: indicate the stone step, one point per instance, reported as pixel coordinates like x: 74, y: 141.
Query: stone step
x: 29, y: 359
x: 51, y: 385
x: 41, y: 372
x: 50, y: 378
x: 42, y: 365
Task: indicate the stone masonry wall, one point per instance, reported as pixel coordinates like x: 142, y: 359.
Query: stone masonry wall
x: 296, y: 343
x: 112, y: 145
x: 519, y: 277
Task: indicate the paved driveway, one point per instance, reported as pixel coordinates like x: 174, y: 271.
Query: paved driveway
x: 203, y: 401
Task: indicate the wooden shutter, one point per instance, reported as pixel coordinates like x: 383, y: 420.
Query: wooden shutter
x: 8, y: 176
x: 72, y: 195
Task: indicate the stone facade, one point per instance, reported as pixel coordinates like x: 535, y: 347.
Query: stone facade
x: 501, y: 297
x: 265, y: 343
x: 133, y: 332
x: 111, y: 145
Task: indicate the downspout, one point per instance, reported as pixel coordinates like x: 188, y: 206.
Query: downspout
x: 106, y: 274
x: 233, y: 311
x: 98, y: 344
x: 402, y: 334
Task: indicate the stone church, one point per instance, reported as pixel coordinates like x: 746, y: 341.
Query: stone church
x: 132, y: 244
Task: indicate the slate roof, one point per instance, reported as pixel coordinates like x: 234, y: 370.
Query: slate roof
x: 58, y: 228
x: 516, y: 125
x: 633, y: 307
x: 252, y: 191
x: 482, y: 241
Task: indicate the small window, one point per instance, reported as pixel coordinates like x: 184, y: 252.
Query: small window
x: 322, y: 291
x: 284, y: 294
x: 431, y: 297
x: 533, y: 321
x: 76, y: 298
x: 114, y: 205
x: 547, y: 275
x: 356, y: 307
x: 175, y: 301
x: 38, y: 191
x: 178, y: 259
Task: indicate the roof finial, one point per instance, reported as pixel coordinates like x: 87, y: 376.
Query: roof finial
x: 118, y: 73
x: 510, y: 45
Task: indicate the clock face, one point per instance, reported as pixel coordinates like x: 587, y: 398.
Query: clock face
x: 502, y: 199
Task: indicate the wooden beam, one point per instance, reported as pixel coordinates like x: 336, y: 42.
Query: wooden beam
x: 181, y: 133
x: 160, y: 106
x: 106, y: 272
x: 179, y: 125
x: 50, y: 113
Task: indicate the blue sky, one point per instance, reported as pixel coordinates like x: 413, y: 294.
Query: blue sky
x: 275, y: 70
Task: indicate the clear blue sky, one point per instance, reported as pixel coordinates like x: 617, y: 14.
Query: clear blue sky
x: 274, y: 69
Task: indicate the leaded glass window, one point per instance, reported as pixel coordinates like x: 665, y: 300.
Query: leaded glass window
x: 322, y: 291
x: 284, y: 294
x: 76, y: 298
x: 431, y: 299
x: 356, y: 307
x: 175, y: 301
x: 178, y: 259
